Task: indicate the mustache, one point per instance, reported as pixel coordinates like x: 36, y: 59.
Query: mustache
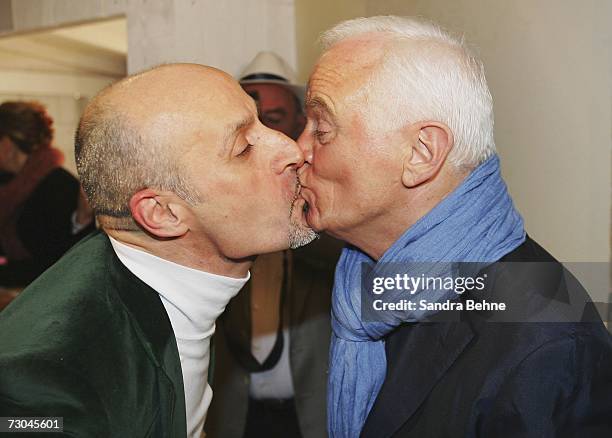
x: 298, y: 188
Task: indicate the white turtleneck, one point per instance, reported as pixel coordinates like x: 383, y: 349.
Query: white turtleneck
x: 193, y: 300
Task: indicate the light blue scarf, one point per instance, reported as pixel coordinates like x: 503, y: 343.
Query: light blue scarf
x: 477, y: 222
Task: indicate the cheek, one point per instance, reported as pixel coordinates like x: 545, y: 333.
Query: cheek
x: 234, y: 180
x: 360, y: 181
x: 254, y: 198
x: 329, y: 164
x: 330, y: 173
x: 224, y: 194
x: 334, y: 182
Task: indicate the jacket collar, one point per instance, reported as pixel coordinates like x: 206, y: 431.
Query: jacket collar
x: 152, y: 325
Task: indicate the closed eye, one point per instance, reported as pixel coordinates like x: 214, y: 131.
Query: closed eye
x: 320, y: 135
x: 245, y: 151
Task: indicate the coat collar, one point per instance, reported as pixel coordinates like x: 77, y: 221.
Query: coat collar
x: 152, y: 325
x: 400, y: 397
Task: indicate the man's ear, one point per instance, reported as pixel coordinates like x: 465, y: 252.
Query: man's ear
x: 158, y: 213
x: 429, y: 146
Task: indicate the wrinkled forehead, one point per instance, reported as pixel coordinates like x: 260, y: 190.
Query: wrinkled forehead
x: 343, y: 73
x: 197, y: 112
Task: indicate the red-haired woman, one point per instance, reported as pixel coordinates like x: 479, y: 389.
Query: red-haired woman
x: 38, y: 198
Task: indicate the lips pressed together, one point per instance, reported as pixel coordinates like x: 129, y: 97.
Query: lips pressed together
x: 306, y: 206
x: 305, y: 194
x: 309, y: 207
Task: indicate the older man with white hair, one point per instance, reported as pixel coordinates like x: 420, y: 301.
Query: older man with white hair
x: 401, y: 164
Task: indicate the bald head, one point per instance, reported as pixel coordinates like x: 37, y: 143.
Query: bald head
x: 133, y: 133
x: 176, y: 89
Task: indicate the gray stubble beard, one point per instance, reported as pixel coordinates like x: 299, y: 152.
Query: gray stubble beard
x: 298, y: 234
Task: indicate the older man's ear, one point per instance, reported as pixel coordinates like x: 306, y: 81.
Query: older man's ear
x: 429, y: 145
x: 159, y: 213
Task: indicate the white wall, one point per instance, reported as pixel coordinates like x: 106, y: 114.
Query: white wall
x: 313, y: 17
x: 225, y: 34
x: 30, y: 15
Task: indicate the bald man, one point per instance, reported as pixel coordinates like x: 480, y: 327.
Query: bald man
x: 188, y: 186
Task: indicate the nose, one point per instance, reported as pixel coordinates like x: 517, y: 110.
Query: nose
x: 289, y: 155
x: 305, y: 144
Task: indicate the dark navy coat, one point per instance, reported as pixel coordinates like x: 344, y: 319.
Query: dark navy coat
x: 480, y: 378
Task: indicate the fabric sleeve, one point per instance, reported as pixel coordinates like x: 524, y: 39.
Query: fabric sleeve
x: 42, y: 388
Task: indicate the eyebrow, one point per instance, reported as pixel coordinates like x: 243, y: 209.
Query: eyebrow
x: 231, y: 129
x: 317, y: 103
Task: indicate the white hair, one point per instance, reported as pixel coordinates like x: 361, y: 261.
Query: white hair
x: 425, y: 73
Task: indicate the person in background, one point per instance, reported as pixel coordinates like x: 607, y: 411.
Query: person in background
x: 43, y: 210
x: 271, y: 349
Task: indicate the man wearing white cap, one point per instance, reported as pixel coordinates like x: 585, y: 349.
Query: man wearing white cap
x: 272, y: 343
x: 271, y: 83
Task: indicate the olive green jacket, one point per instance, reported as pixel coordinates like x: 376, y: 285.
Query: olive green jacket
x: 90, y: 342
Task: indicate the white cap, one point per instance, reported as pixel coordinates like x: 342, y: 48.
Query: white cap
x: 269, y: 68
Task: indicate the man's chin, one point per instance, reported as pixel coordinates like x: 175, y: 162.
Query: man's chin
x: 300, y: 232
x: 299, y: 236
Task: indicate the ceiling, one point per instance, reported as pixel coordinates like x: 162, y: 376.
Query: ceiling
x: 109, y: 34
x: 98, y: 48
